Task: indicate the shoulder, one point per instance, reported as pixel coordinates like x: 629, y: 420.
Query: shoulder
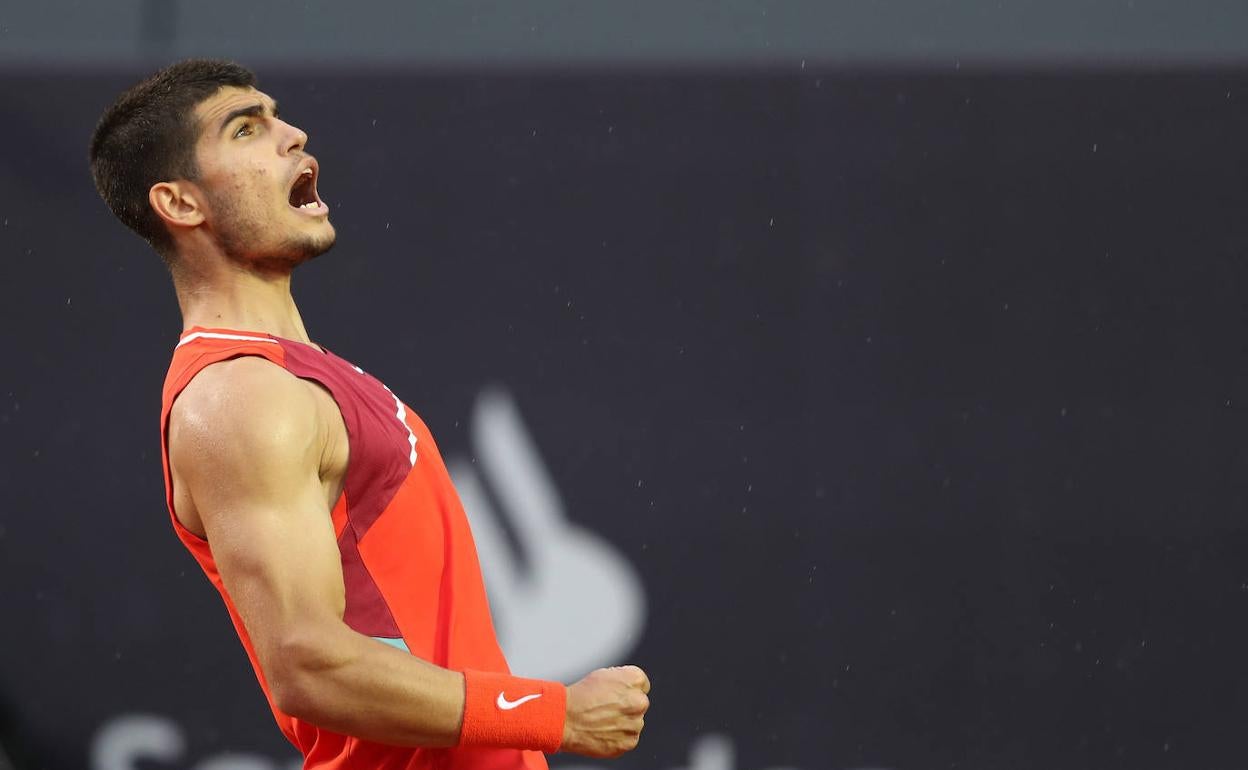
x: 244, y: 409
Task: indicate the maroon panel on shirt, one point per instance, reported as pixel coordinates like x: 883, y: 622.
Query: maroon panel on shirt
x: 379, y: 461
x: 366, y: 610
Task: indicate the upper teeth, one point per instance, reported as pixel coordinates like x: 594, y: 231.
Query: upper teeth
x: 306, y: 171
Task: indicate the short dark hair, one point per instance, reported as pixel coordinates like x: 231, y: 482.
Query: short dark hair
x: 148, y: 135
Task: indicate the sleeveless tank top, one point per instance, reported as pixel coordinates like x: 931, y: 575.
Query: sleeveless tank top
x: 409, y: 564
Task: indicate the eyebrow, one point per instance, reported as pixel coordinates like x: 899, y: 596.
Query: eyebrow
x: 250, y: 111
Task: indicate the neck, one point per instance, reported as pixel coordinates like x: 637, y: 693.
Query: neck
x: 231, y: 296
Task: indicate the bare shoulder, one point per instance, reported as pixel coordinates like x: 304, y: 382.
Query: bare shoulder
x: 243, y: 413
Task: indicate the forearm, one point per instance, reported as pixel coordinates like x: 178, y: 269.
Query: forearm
x: 338, y: 679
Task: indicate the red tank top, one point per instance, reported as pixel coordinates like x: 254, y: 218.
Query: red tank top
x: 408, y: 560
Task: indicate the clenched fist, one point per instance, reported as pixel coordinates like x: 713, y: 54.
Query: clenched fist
x: 606, y: 711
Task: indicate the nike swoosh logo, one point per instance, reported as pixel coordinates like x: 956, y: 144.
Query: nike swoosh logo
x: 508, y: 705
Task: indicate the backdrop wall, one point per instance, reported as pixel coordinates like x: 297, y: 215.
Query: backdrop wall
x: 900, y: 415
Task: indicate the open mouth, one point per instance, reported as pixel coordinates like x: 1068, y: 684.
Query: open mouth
x: 303, y: 192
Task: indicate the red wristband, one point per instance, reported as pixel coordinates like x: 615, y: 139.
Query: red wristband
x: 504, y: 711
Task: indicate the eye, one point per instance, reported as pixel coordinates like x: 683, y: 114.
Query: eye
x: 244, y: 129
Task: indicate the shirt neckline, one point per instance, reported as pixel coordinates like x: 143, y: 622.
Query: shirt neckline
x: 246, y: 334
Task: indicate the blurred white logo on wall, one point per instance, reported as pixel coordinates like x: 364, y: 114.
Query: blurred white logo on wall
x: 131, y: 741
x: 573, y: 603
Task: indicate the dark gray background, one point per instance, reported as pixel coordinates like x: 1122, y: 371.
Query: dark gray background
x: 934, y: 377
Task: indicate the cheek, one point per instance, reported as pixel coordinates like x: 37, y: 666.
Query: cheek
x: 257, y: 179
x: 252, y: 191
x: 247, y: 193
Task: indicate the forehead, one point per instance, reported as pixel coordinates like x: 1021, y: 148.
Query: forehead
x: 211, y: 111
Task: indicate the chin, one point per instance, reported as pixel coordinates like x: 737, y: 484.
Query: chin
x: 297, y: 250
x: 310, y: 245
x: 323, y: 246
x: 316, y: 246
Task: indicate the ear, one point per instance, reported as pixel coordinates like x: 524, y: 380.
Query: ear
x: 178, y: 203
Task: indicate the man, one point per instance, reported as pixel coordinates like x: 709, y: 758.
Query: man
x: 312, y: 497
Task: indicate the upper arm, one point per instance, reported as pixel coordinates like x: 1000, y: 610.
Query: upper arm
x: 246, y: 440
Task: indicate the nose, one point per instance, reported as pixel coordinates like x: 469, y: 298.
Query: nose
x: 295, y: 139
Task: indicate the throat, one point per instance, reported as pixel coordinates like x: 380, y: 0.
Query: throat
x: 246, y: 302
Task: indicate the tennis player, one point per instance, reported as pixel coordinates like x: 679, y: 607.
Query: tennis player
x: 313, y: 498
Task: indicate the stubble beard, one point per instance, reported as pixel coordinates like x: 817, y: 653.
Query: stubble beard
x: 246, y: 239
